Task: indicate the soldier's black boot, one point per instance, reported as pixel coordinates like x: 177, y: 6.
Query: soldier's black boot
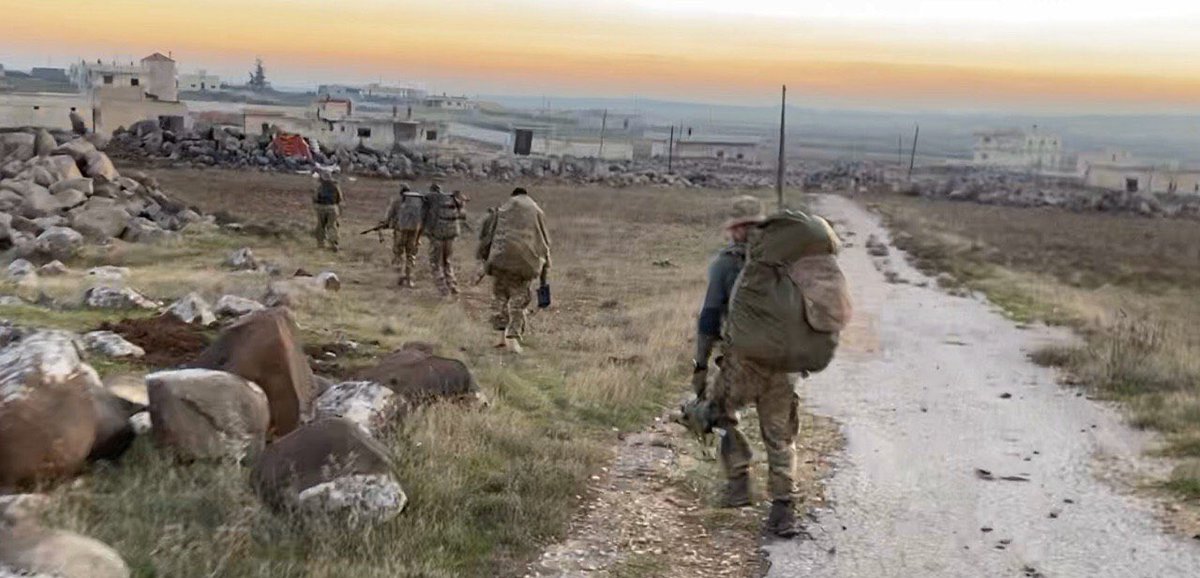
x: 782, y: 520
x: 736, y: 493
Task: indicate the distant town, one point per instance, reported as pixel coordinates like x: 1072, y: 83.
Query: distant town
x: 111, y: 95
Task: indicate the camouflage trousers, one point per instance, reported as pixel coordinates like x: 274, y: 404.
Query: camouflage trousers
x: 327, y: 225
x: 440, y: 252
x: 404, y: 250
x: 742, y: 382
x: 511, y: 296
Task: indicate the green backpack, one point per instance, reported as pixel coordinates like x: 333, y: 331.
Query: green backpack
x: 791, y: 301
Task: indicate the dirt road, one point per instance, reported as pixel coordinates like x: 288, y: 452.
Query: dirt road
x: 962, y: 457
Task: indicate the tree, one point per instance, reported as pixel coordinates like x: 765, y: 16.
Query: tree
x: 258, y: 78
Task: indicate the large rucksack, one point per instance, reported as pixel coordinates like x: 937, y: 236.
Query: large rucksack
x: 518, y: 246
x: 443, y: 216
x: 790, y: 301
x: 410, y: 211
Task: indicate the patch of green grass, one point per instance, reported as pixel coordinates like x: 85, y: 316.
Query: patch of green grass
x: 77, y: 319
x: 640, y: 566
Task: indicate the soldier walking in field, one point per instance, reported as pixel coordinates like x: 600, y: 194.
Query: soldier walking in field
x: 327, y: 202
x: 516, y: 250
x: 405, y: 214
x: 444, y: 213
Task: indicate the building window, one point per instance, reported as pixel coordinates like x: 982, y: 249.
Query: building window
x: 1131, y: 185
x: 35, y: 107
x: 343, y: 129
x: 431, y: 135
x: 133, y: 82
x: 108, y: 79
x: 72, y: 109
x: 364, y: 132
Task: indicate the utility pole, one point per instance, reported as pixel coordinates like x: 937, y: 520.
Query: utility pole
x: 913, y: 158
x: 603, y: 126
x: 899, y: 150
x: 780, y: 170
x: 670, y: 149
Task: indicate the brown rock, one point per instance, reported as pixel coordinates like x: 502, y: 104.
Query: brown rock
x: 419, y: 377
x: 263, y: 348
x: 317, y: 453
x: 47, y: 419
x: 114, y: 433
x: 205, y: 414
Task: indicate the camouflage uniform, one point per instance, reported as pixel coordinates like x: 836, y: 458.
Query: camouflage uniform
x: 511, y: 295
x: 327, y: 203
x: 444, y: 214
x: 404, y: 216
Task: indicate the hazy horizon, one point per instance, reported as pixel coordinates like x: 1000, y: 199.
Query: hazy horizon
x: 921, y: 55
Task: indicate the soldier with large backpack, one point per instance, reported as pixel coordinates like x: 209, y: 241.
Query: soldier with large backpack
x: 515, y: 250
x: 404, y: 217
x: 444, y: 214
x: 327, y: 203
x: 775, y: 304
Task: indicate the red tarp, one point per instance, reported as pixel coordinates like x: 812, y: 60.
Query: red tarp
x: 291, y: 145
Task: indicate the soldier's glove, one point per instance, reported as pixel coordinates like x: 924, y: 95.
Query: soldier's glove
x: 697, y: 416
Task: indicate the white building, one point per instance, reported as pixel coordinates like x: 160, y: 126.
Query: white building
x: 199, y: 81
x: 1018, y: 149
x: 393, y: 92
x: 449, y: 102
x: 154, y: 76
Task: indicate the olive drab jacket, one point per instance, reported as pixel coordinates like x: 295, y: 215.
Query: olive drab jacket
x: 444, y: 213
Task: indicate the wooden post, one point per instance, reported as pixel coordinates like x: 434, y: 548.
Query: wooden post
x: 899, y: 150
x: 670, y: 149
x: 603, y: 125
x: 781, y: 169
x: 913, y: 158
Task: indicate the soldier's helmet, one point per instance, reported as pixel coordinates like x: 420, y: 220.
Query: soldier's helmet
x: 745, y: 210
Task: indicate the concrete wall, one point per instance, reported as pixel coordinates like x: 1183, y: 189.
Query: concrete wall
x: 613, y: 150
x: 113, y: 113
x: 200, y: 82
x: 44, y: 110
x: 1156, y: 179
x: 160, y: 79
x: 717, y: 151
x: 488, y: 136
x: 253, y: 121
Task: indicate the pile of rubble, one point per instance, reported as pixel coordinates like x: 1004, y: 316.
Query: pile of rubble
x: 57, y: 190
x: 228, y: 147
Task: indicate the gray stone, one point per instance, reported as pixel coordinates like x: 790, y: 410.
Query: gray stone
x: 53, y: 269
x: 371, y: 406
x: 62, y: 167
x: 59, y: 243
x: 110, y: 344
x: 10, y: 200
x: 100, y: 223
x: 207, y: 414
x: 30, y: 548
x: 108, y: 273
x: 42, y: 176
x: 77, y: 149
x: 70, y: 198
x: 22, y: 272
x: 232, y: 306
x: 43, y: 143
x: 82, y: 184
x: 116, y: 298
x: 192, y: 308
x: 5, y: 227
x: 359, y: 501
x: 242, y: 260
x: 39, y: 203
x: 328, y: 280
x: 51, y: 221
x: 143, y: 230
x: 101, y: 167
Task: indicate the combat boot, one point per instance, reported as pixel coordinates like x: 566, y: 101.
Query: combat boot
x: 513, y: 345
x: 781, y: 521
x: 736, y: 493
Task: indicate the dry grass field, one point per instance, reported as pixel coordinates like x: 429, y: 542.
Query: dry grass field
x: 487, y: 488
x: 1128, y: 285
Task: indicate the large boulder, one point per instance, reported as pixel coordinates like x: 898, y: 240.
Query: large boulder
x: 30, y: 549
x: 101, y: 297
x: 53, y: 269
x: 47, y: 420
x: 263, y: 347
x: 81, y: 184
x: 43, y: 143
x: 206, y: 414
x: 39, y: 202
x: 69, y: 198
x: 317, y: 453
x: 357, y: 500
x: 100, y: 223
x: 21, y: 272
x: 143, y: 230
x: 112, y: 345
x: 20, y: 145
x: 10, y: 200
x: 232, y: 306
x: 369, y: 405
x: 99, y: 166
x: 77, y: 149
x: 59, y: 243
x: 192, y: 308
x: 242, y: 260
x: 42, y: 177
x: 61, y: 166
x: 114, y: 431
x: 5, y: 227
x: 420, y: 377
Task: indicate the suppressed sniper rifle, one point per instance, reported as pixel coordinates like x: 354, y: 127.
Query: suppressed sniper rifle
x: 380, y: 228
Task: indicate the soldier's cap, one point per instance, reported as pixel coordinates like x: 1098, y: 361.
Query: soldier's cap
x: 404, y: 188
x: 519, y: 191
x: 745, y: 210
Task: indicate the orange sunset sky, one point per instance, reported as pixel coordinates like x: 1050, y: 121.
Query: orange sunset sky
x: 1060, y: 54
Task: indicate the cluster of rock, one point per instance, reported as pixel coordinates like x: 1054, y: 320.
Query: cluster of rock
x: 250, y: 398
x: 57, y: 190
x: 231, y: 148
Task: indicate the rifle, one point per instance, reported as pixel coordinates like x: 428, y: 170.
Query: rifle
x: 380, y: 228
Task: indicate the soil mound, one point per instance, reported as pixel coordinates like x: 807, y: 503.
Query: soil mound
x: 168, y: 341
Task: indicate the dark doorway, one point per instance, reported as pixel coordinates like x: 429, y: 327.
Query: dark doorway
x: 524, y: 142
x: 1131, y: 185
